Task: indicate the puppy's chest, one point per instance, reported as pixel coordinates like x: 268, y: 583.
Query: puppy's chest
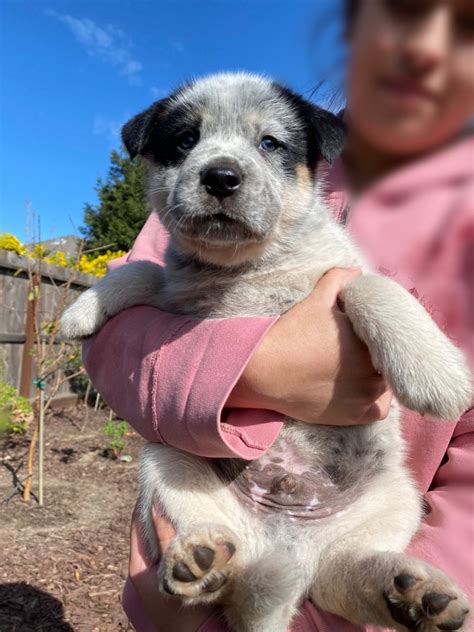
x: 216, y: 299
x: 270, y: 287
x: 267, y: 290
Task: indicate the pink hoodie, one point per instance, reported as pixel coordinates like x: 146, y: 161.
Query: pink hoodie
x: 170, y: 376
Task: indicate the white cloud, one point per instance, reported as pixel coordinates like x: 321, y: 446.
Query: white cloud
x: 109, y: 44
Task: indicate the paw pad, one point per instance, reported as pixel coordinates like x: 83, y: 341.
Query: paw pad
x: 198, y: 565
x: 431, y: 602
x: 203, y: 556
x: 435, y: 603
x: 404, y: 582
x: 182, y: 572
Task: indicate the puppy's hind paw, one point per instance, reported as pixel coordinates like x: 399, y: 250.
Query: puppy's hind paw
x: 83, y: 318
x: 426, y: 604
x: 198, y: 567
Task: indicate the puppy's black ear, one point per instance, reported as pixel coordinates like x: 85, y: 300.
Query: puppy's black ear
x: 329, y: 133
x: 324, y: 130
x: 136, y: 133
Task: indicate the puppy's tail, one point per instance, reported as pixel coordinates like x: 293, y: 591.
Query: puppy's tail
x: 266, y: 595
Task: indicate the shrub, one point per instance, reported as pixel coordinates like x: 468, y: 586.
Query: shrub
x: 16, y: 411
x: 10, y: 242
x: 116, y: 430
x: 95, y: 264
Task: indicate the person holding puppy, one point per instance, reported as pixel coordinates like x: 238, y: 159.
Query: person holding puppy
x: 405, y: 189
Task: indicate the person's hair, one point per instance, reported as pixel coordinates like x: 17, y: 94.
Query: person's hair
x: 350, y: 9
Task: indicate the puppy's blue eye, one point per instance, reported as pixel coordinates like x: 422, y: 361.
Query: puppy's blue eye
x: 186, y: 140
x: 268, y: 143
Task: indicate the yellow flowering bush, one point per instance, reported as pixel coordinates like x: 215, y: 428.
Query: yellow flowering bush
x: 95, y: 264
x: 58, y: 258
x: 10, y: 242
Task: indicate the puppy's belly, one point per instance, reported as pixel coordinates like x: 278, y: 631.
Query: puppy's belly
x: 286, y: 483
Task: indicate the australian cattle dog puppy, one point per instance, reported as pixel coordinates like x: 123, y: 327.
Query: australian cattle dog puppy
x: 327, y: 512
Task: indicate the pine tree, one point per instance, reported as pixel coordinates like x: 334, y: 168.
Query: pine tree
x: 122, y: 209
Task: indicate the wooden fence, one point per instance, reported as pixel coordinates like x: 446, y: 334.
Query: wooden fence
x: 14, y: 287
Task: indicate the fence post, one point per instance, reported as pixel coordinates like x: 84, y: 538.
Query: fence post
x: 26, y: 374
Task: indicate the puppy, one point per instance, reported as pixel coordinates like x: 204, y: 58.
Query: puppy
x: 327, y: 512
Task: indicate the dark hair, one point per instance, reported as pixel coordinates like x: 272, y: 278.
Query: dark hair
x: 350, y: 8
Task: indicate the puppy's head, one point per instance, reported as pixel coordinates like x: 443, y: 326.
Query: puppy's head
x: 232, y: 158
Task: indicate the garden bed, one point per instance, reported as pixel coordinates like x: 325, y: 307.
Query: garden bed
x: 63, y: 565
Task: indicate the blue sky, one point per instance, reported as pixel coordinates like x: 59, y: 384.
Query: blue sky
x: 72, y: 72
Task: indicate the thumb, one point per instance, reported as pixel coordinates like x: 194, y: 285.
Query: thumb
x: 332, y: 283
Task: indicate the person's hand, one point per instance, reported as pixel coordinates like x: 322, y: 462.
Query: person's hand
x: 311, y: 366
x: 166, y: 612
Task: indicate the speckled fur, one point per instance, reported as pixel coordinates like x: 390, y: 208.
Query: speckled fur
x: 278, y: 242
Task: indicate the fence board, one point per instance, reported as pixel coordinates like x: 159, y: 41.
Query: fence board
x: 13, y: 302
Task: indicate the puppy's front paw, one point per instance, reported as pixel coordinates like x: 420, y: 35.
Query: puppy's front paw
x: 439, y: 384
x: 425, y: 370
x: 83, y: 318
x: 423, y: 599
x: 198, y: 567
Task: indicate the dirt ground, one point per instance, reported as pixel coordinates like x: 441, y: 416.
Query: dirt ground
x: 62, y: 567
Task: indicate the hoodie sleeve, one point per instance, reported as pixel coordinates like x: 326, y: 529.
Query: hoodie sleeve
x: 169, y: 376
x: 446, y: 536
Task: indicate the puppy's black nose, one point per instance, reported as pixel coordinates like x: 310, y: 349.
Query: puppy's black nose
x: 221, y: 181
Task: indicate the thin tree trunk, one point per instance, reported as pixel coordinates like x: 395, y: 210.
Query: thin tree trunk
x: 31, y: 454
x: 41, y: 449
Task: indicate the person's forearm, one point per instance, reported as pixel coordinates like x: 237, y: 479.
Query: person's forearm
x: 170, y: 376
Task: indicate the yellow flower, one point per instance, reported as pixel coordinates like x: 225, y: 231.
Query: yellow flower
x: 97, y: 265
x: 58, y: 258
x: 10, y: 242
x: 90, y: 264
x: 39, y: 251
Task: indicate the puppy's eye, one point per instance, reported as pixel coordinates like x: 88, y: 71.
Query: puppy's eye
x: 186, y: 140
x: 268, y: 143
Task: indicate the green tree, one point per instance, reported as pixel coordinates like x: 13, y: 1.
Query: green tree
x: 122, y: 208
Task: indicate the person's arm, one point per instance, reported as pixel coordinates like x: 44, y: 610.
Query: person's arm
x: 169, y: 376
x: 446, y: 537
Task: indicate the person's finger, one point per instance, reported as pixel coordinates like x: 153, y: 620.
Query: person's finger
x: 332, y: 283
x: 164, y: 530
x: 138, y: 561
x: 142, y: 574
x: 379, y: 409
x: 385, y: 403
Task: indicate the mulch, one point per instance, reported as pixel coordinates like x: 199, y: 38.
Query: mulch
x: 63, y: 566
